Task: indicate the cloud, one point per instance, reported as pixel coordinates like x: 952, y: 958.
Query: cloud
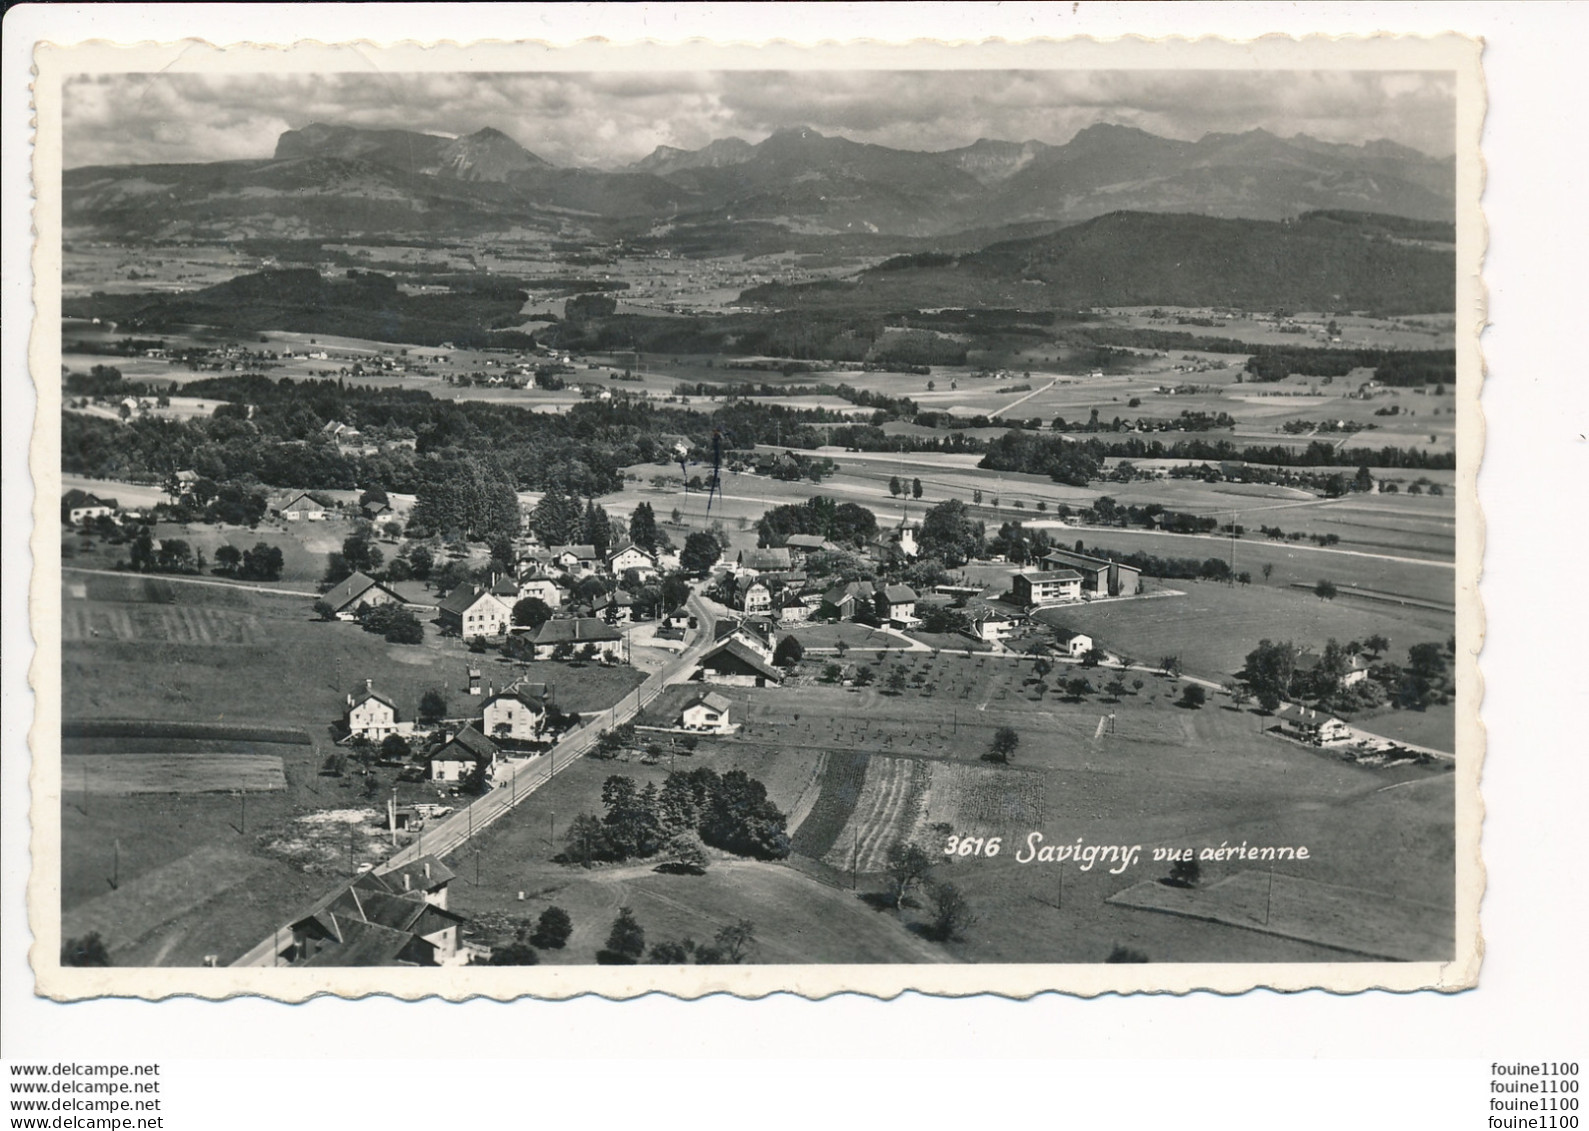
x: 612, y: 118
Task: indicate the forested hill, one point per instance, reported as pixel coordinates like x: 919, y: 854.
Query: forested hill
x: 1320, y: 261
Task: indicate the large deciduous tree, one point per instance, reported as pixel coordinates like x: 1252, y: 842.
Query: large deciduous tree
x: 949, y: 534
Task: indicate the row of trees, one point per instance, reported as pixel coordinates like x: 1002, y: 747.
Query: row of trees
x: 1272, y: 674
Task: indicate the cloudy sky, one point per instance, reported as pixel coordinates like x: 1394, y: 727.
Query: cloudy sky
x: 612, y: 118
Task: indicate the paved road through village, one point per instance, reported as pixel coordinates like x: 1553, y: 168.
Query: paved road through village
x: 518, y: 779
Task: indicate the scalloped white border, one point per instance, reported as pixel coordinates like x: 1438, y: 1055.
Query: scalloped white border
x: 1450, y: 52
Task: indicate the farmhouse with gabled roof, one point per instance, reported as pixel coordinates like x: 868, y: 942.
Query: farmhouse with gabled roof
x: 359, y: 590
x: 457, y: 758
x: 577, y: 633
x: 473, y: 610
x: 516, y: 713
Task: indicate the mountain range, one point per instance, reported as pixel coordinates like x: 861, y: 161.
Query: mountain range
x: 327, y: 181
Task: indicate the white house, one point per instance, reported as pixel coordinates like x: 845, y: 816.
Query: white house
x: 1311, y: 726
x: 759, y: 634
x: 753, y: 596
x: 1034, y: 587
x: 576, y: 560
x: 897, y: 605
x: 632, y: 557
x: 517, y: 713
x: 1073, y: 644
x: 994, y: 628
x: 795, y: 609
x: 457, y: 758
x: 707, y: 711
x: 542, y: 588
x: 472, y: 610
x: 370, y: 714
x: 80, y: 506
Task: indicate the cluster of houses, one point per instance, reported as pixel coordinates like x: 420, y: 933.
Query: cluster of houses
x: 771, y: 583
x: 394, y: 918
x: 587, y: 628
x: 521, y: 718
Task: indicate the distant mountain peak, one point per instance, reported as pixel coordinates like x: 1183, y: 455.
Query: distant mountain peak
x: 665, y: 159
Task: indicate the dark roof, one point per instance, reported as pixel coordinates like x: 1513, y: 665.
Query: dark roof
x: 505, y: 587
x: 1065, y: 636
x: 839, y: 593
x: 1080, y: 561
x: 709, y: 699
x: 770, y: 558
x: 581, y: 551
x: 530, y: 694
x: 350, y: 589
x: 79, y: 498
x: 467, y: 745
x: 440, y: 876
x: 361, y: 944
x: 758, y: 626
x: 1305, y: 716
x: 364, y: 691
x: 576, y: 630
x: 1051, y: 574
x: 804, y: 541
x: 738, y: 651
x: 383, y: 908
x: 898, y: 594
x: 463, y: 598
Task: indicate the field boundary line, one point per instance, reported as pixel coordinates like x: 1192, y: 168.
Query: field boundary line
x: 177, y: 577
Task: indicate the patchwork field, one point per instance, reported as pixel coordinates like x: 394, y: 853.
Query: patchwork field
x: 172, y: 773
x: 191, y: 695
x: 860, y: 771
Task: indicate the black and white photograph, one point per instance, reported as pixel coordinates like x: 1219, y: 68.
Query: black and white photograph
x: 979, y: 521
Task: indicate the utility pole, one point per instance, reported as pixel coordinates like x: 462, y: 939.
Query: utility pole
x: 551, y: 831
x: 1233, y: 547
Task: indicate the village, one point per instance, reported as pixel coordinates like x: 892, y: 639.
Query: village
x: 694, y: 635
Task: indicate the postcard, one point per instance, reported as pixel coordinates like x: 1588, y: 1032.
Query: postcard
x: 526, y: 519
